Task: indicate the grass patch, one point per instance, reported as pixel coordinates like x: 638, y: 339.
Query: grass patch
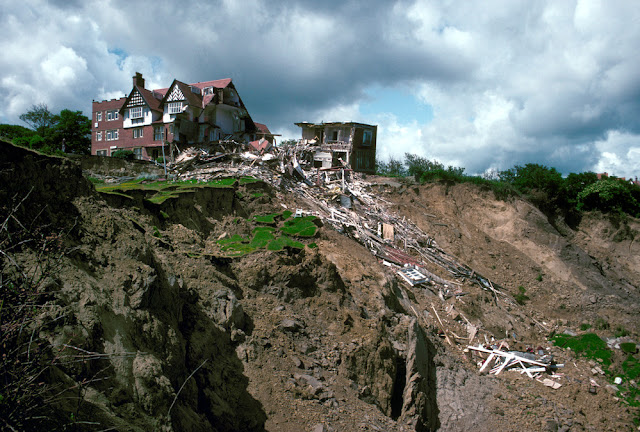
x: 164, y: 186
x: 628, y: 347
x: 521, y: 298
x: 585, y: 326
x: 268, y: 236
x: 601, y: 324
x: 267, y: 219
x: 588, y: 345
x: 248, y: 180
x: 630, y: 393
x: 284, y: 241
x: 302, y: 227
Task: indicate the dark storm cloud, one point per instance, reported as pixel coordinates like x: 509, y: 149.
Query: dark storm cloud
x: 507, y: 81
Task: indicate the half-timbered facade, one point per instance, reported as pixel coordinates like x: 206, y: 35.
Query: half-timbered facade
x: 148, y: 121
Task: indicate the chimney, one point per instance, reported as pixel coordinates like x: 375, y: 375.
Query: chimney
x: 138, y: 80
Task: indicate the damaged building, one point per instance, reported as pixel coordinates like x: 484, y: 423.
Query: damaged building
x: 148, y: 122
x: 353, y: 143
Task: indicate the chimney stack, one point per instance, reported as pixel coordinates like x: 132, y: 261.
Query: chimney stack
x: 138, y: 80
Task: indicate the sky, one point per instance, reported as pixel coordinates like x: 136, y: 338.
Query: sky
x: 481, y: 85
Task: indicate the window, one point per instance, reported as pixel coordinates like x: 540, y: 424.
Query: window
x: 135, y: 113
x: 213, y: 135
x: 366, y: 138
x: 201, y: 133
x: 137, y: 133
x: 171, y: 129
x: 334, y: 135
x: 175, y: 107
x: 137, y: 152
x: 98, y: 136
x: 112, y: 115
x: 112, y: 135
x: 208, y: 90
x: 99, y: 116
x: 101, y: 153
x: 158, y: 133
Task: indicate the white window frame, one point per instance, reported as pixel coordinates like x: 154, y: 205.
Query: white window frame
x: 99, y: 116
x: 137, y: 152
x: 136, y: 112
x: 112, y: 135
x: 101, y: 152
x: 99, y: 136
x: 112, y: 115
x: 138, y: 132
x: 174, y: 107
x: 158, y: 133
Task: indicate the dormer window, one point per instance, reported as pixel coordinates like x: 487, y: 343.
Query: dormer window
x: 175, y: 107
x: 208, y: 90
x: 135, y: 113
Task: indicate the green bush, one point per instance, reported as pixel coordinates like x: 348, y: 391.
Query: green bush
x: 521, y: 298
x: 601, y: 324
x: 621, y: 332
x: 123, y: 154
x: 610, y: 195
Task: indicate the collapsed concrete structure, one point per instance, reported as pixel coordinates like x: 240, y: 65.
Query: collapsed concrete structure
x: 353, y: 143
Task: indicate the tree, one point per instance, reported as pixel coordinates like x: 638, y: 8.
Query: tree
x: 417, y: 165
x: 73, y: 130
x: 39, y: 118
x: 13, y: 132
x: 576, y: 183
x: 393, y: 168
x: 609, y: 195
x: 533, y: 177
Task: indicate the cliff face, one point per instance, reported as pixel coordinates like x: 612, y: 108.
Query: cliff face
x: 142, y: 323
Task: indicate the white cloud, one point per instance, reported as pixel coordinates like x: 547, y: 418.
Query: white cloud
x: 510, y: 82
x: 620, y: 154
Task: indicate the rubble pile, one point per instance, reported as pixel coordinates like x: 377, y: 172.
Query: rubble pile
x: 339, y: 196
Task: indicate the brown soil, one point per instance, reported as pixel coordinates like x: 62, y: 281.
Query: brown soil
x: 325, y: 338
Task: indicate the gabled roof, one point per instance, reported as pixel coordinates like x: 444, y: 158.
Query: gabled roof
x: 152, y: 102
x: 262, y: 128
x: 192, y: 98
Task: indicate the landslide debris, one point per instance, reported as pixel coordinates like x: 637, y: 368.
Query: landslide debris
x: 146, y: 323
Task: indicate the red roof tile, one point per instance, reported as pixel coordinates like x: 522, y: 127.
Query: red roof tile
x: 262, y: 128
x: 221, y: 83
x: 260, y: 145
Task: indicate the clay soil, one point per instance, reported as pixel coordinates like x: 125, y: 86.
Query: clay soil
x: 320, y: 338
